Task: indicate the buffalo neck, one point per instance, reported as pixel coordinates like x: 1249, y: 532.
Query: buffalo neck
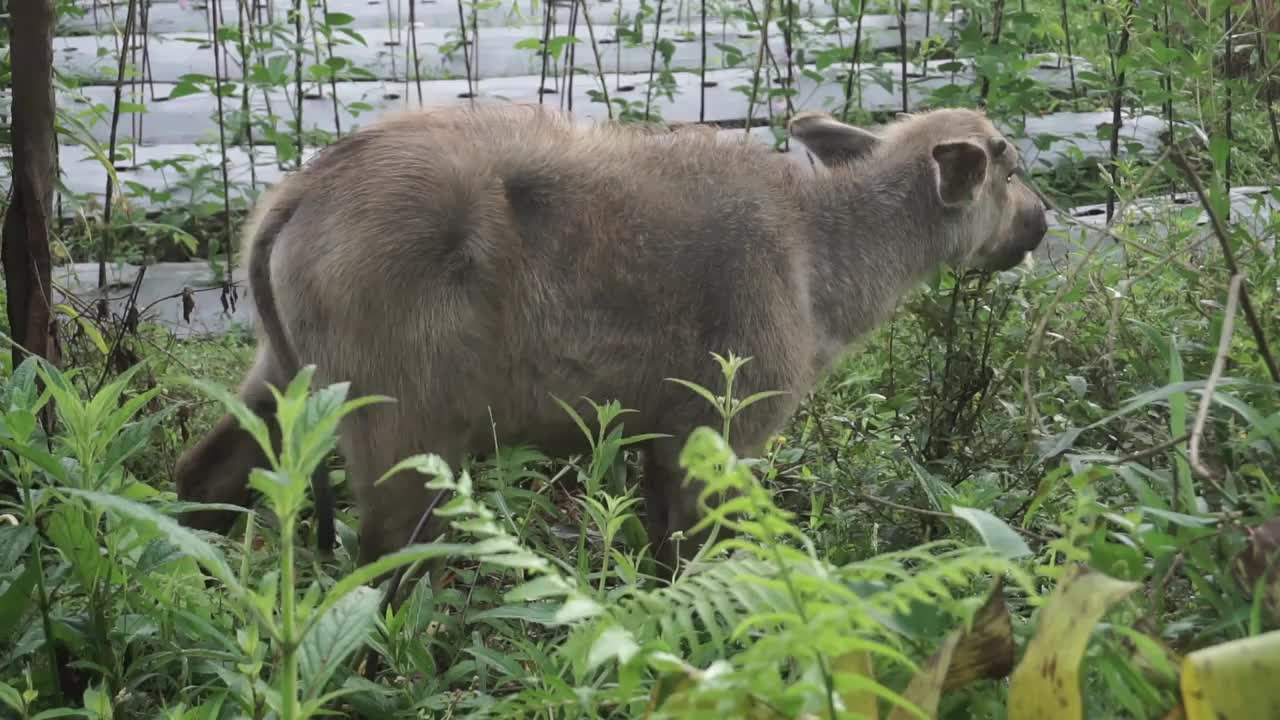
x: 877, y: 232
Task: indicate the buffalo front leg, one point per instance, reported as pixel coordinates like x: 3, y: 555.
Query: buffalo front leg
x: 671, y: 499
x: 671, y: 506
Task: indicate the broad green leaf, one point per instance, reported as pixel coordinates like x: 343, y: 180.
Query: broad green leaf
x: 186, y: 540
x: 10, y: 696
x: 933, y: 488
x: 21, y: 392
x: 539, y: 588
x: 385, y: 564
x: 577, y: 419
x: 1178, y: 428
x: 37, y: 456
x: 130, y: 440
x: 15, y: 600
x: 1046, y: 684
x: 248, y: 420
x: 995, y: 532
x: 68, y: 529
x: 577, y: 607
x: 98, y: 703
x: 342, y: 630
x: 543, y: 614
x: 19, y: 424
x: 613, y: 643
x: 14, y: 541
x: 507, y: 666
x: 751, y: 400
x: 1181, y: 519
x: 1066, y: 439
x: 1235, y: 680
x: 705, y: 393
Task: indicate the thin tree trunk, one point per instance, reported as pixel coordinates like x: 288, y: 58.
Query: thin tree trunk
x: 24, y: 249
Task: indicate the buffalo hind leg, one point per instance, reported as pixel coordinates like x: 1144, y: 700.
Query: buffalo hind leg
x: 671, y: 506
x: 671, y: 502
x: 390, y: 511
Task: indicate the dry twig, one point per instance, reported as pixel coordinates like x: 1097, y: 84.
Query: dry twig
x: 1219, y: 362
x: 1148, y: 452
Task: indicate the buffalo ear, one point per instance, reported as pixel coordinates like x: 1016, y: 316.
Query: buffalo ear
x: 832, y: 141
x: 962, y: 171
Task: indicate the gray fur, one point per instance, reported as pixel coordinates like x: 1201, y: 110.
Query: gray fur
x: 475, y: 260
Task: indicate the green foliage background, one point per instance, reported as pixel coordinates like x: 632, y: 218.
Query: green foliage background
x: 1000, y: 426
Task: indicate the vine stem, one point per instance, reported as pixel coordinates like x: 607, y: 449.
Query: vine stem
x: 215, y: 11
x: 760, y: 54
x: 1071, y: 60
x: 289, y: 664
x: 333, y: 74
x: 111, y: 148
x: 1117, y: 99
x: 1166, y: 81
x: 246, y: 56
x: 297, y: 73
x: 653, y: 61
x: 595, y: 50
x: 702, y: 68
x: 466, y: 58
x: 997, y: 24
x: 572, y: 55
x: 1148, y: 452
x: 788, y: 41
x: 1268, y: 94
x: 546, y: 47
x: 902, y: 51
x: 854, y: 57
x: 42, y: 590
x: 1228, y: 67
x: 827, y: 681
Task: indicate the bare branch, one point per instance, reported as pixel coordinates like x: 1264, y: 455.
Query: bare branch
x: 1219, y: 361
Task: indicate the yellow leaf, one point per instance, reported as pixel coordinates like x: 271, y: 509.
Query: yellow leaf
x: 1046, y: 684
x: 983, y: 649
x: 92, y: 333
x: 1233, y: 681
x: 986, y: 651
x: 857, y: 702
x: 90, y: 330
x: 926, y: 687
